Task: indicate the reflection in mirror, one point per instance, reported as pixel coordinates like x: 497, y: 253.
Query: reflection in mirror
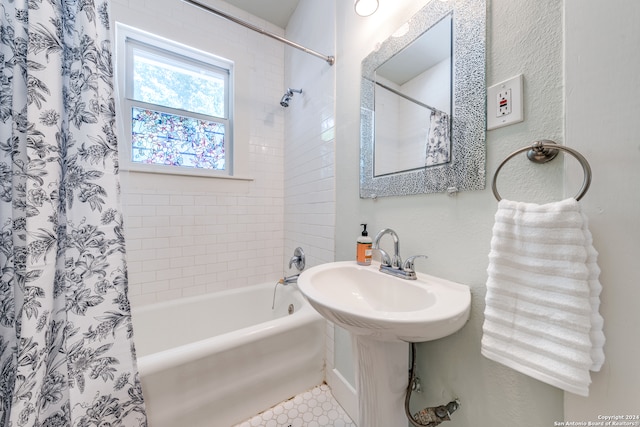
x: 413, y: 104
x: 422, y: 123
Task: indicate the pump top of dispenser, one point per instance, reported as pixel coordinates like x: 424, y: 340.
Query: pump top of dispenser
x: 364, y: 230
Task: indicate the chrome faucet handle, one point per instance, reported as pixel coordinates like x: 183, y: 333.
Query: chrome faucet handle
x: 408, y: 264
x: 298, y: 259
x: 385, y: 259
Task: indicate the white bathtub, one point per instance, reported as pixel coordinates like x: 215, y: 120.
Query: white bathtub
x: 218, y: 359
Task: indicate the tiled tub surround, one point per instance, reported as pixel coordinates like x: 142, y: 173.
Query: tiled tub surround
x: 313, y: 408
x: 226, y: 356
x: 191, y: 235
x: 184, y: 239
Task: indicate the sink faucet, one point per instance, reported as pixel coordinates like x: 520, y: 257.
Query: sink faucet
x: 396, y: 261
x: 394, y: 265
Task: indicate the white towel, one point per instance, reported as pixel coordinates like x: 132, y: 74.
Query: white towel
x: 543, y: 294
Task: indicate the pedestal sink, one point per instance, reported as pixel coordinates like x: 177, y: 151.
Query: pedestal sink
x: 384, y: 313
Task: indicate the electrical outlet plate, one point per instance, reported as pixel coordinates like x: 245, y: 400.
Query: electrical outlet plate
x: 505, y: 103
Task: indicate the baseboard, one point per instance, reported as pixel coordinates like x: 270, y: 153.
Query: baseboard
x: 344, y: 394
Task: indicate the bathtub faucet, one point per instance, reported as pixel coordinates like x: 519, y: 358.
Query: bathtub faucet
x: 289, y: 279
x: 284, y: 281
x: 298, y: 260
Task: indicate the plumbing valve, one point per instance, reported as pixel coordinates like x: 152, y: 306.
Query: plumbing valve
x: 433, y: 416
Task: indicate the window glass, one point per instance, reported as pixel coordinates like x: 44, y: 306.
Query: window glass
x: 158, y: 79
x: 177, y: 106
x: 169, y: 139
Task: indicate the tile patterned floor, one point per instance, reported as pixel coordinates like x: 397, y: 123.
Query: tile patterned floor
x: 316, y: 407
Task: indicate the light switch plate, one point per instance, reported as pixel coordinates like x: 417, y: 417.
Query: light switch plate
x: 505, y: 103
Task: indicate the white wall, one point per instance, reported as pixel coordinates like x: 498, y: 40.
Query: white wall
x: 189, y: 235
x: 602, y: 108
x: 523, y: 37
x: 602, y: 93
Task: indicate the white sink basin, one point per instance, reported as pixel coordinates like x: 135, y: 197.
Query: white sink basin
x: 369, y: 303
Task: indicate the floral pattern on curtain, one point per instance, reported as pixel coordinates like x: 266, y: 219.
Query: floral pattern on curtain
x: 66, y: 348
x: 438, y: 141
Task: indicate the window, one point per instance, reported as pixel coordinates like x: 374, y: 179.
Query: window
x: 176, y: 107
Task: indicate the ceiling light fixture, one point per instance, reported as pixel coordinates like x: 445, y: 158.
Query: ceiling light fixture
x: 365, y: 7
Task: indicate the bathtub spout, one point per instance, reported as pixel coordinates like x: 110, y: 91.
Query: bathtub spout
x: 290, y: 279
x: 275, y: 288
x: 284, y: 281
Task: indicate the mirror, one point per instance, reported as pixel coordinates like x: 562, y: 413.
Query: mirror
x: 423, y: 104
x: 413, y: 102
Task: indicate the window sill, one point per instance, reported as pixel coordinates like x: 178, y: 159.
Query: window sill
x: 199, y: 173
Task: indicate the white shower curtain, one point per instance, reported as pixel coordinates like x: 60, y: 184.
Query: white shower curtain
x: 66, y: 349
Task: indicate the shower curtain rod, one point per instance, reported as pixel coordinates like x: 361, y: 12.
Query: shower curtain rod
x: 408, y: 98
x: 329, y: 59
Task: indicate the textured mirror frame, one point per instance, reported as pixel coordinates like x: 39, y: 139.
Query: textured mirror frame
x: 466, y: 170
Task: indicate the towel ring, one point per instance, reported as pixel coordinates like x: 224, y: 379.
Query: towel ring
x: 542, y: 152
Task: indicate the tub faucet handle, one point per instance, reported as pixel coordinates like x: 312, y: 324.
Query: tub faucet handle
x: 298, y: 259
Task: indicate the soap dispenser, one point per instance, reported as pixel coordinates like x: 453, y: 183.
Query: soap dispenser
x: 363, y: 252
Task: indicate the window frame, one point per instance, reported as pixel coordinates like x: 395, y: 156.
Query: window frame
x: 129, y: 38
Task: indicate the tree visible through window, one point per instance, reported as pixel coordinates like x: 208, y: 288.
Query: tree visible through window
x: 168, y: 139
x: 179, y: 108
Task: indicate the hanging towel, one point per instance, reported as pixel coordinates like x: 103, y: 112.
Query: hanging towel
x: 543, y: 294
x: 597, y: 322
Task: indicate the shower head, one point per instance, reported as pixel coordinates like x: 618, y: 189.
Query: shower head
x: 284, y: 101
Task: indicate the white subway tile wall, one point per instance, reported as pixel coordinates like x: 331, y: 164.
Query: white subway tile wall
x: 309, y: 184
x: 309, y: 177
x: 178, y: 250
x: 188, y: 235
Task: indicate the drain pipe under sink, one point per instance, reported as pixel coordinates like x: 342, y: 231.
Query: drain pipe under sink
x: 427, y: 417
